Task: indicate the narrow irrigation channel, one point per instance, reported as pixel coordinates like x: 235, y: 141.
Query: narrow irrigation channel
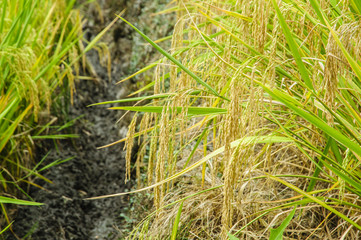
x: 92, y: 171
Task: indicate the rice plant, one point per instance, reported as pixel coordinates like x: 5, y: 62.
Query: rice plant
x: 252, y: 130
x: 40, y: 55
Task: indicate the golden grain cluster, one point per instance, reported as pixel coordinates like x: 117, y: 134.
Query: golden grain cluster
x: 254, y: 121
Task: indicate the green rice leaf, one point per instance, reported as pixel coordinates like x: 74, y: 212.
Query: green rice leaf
x: 6, y: 228
x: 135, y: 99
x: 57, y: 136
x: 176, y: 222
x: 171, y: 58
x: 332, y: 132
x: 9, y: 132
x: 277, y: 233
x: 294, y: 47
x: 18, y: 202
x: 232, y: 237
x: 190, y: 110
x: 56, y: 162
x: 318, y: 201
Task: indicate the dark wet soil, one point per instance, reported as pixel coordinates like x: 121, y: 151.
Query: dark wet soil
x: 93, y: 171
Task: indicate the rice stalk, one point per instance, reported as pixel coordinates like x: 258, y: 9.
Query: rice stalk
x: 256, y: 90
x: 39, y: 60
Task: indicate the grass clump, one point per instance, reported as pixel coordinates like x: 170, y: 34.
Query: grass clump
x: 253, y: 128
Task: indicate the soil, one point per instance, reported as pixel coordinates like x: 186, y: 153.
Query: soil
x: 93, y: 171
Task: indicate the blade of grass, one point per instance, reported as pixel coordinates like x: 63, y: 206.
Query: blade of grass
x: 9, y: 132
x: 277, y: 233
x: 190, y: 110
x: 337, y: 135
x: 317, y: 171
x: 8, y: 226
x: 18, y: 202
x: 135, y: 99
x: 175, y: 61
x: 232, y: 237
x: 150, y: 66
x: 56, y: 162
x: 316, y: 200
x: 58, y: 136
x: 176, y: 222
x: 294, y: 47
x: 354, y: 65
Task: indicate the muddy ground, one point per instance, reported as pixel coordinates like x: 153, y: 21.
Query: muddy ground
x: 94, y: 172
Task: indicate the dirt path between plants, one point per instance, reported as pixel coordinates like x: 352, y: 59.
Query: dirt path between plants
x: 94, y: 172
